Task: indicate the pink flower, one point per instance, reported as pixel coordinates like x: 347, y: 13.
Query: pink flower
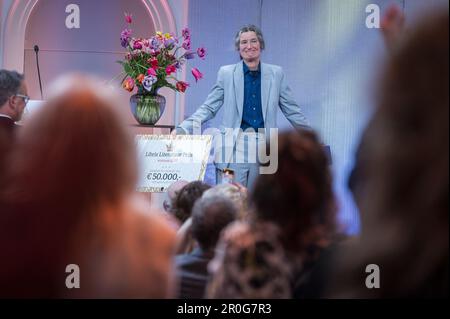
x: 151, y: 71
x: 182, y: 86
x: 201, y: 53
x: 197, y: 74
x: 137, y: 45
x: 128, y: 18
x: 170, y: 69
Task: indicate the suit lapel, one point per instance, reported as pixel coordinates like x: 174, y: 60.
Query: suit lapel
x: 239, y: 87
x: 266, y: 82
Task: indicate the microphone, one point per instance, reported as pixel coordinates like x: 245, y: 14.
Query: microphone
x: 36, y: 50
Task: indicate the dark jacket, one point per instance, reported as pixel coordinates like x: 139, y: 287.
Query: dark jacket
x: 192, y: 273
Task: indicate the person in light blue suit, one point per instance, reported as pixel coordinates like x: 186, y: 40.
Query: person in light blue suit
x: 251, y: 93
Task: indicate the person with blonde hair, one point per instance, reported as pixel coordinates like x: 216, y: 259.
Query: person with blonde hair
x: 70, y: 200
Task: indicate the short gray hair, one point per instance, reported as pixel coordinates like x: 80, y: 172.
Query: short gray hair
x: 248, y: 28
x: 10, y: 82
x: 229, y: 191
x: 210, y: 216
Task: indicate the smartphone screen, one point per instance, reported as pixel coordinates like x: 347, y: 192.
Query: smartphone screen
x: 227, y: 176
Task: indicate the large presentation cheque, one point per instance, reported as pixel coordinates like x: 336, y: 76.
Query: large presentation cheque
x: 164, y: 159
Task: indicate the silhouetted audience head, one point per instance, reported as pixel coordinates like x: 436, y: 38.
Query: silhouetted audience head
x: 13, y: 95
x: 185, y: 199
x: 298, y: 197
x: 171, y: 193
x: 404, y: 202
x: 85, y: 142
x: 210, y: 215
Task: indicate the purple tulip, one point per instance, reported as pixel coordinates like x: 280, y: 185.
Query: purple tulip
x: 125, y: 37
x: 124, y: 42
x: 186, y: 33
x: 169, y: 42
x: 186, y: 44
x: 201, y: 53
x: 126, y: 33
x: 154, y: 43
x: 189, y: 55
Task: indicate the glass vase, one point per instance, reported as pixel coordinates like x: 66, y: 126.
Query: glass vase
x: 147, y: 109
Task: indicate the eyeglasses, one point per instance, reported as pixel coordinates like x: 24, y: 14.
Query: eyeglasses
x: 25, y: 98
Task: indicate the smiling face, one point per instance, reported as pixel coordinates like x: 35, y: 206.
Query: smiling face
x: 249, y: 47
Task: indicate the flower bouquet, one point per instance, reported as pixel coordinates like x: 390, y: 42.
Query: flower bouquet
x: 151, y: 64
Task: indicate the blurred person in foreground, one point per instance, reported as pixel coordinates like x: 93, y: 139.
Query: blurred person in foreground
x: 70, y: 199
x: 402, y: 183
x: 293, y: 221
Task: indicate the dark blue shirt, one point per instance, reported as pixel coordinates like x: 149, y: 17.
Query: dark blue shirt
x: 252, y: 110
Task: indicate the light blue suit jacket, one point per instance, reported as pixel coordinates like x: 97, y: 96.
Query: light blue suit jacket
x: 229, y: 92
